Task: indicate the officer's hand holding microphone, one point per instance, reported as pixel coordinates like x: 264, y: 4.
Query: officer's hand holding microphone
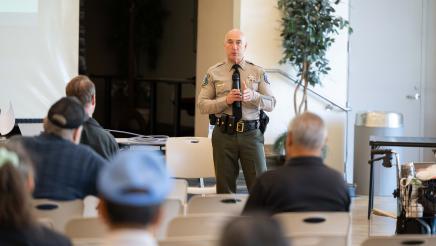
x: 233, y: 96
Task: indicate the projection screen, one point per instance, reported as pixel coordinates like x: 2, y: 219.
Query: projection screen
x: 38, y: 53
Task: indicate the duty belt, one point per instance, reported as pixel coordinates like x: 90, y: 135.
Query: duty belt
x: 246, y: 125
x: 228, y: 125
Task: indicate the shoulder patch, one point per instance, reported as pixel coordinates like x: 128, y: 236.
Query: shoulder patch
x: 205, y: 80
x: 249, y: 62
x: 265, y: 78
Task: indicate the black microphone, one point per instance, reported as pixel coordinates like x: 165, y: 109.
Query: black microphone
x: 236, y: 85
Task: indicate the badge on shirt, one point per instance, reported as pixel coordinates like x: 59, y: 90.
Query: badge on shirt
x: 205, y: 81
x: 265, y: 78
x: 250, y: 80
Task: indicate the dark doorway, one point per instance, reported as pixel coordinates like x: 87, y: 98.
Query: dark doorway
x: 141, y: 55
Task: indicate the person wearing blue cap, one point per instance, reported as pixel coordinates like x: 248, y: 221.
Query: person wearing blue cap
x: 132, y: 188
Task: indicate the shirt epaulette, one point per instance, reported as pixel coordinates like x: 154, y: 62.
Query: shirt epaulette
x: 219, y: 64
x: 249, y: 62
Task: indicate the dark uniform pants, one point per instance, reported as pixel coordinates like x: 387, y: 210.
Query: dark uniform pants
x: 228, y: 149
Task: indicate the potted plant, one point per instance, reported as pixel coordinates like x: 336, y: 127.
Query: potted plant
x: 309, y: 28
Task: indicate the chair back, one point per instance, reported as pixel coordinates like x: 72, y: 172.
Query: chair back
x: 400, y: 240
x: 190, y: 157
x: 206, y: 225
x: 88, y: 241
x: 86, y: 228
x: 316, y: 228
x: 217, y: 203
x: 47, y: 222
x: 171, y: 209
x: 179, y: 191
x: 58, y: 211
x: 188, y: 241
x: 90, y: 206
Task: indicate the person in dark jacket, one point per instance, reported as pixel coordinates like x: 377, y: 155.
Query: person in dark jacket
x: 304, y: 183
x: 93, y: 134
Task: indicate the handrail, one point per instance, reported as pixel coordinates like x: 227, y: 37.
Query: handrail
x: 330, y: 105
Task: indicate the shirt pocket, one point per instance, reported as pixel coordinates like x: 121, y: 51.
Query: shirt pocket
x: 222, y: 88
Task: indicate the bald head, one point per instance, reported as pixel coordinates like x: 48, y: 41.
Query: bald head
x: 235, y: 44
x: 307, y: 132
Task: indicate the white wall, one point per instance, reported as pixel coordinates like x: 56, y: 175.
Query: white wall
x: 260, y: 21
x: 215, y: 18
x: 429, y: 73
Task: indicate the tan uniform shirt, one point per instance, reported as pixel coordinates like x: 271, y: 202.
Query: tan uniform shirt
x: 218, y: 83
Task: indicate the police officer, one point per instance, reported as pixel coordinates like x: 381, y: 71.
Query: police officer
x: 236, y: 136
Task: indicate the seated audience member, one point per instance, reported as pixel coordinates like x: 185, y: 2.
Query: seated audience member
x: 65, y: 169
x: 17, y: 225
x: 92, y: 134
x: 132, y: 188
x: 255, y: 230
x: 304, y: 183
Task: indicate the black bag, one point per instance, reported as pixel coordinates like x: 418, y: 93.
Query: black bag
x: 212, y: 119
x: 263, y: 121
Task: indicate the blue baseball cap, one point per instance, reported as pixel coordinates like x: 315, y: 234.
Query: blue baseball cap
x: 136, y: 178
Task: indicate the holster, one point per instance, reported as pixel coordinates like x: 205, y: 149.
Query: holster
x: 212, y: 119
x: 263, y: 121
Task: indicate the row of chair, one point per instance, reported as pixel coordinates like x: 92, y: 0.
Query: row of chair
x: 204, y: 229
x: 201, y: 223
x: 61, y: 212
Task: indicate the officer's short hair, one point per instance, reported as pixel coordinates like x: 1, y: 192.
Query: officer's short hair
x: 308, y: 130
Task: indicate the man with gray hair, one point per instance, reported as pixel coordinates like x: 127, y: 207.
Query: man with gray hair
x: 304, y: 183
x: 93, y: 134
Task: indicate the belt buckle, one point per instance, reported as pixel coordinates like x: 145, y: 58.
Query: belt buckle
x: 240, y: 126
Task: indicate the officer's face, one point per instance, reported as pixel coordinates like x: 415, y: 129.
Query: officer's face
x: 234, y: 45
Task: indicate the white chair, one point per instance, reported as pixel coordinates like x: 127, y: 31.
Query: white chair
x: 58, y: 211
x: 88, y: 241
x: 171, y: 209
x: 399, y: 240
x: 206, y: 225
x: 188, y: 241
x: 86, y: 228
x: 217, y: 203
x: 90, y: 204
x: 316, y: 228
x: 191, y: 157
x: 47, y: 222
x: 179, y: 191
